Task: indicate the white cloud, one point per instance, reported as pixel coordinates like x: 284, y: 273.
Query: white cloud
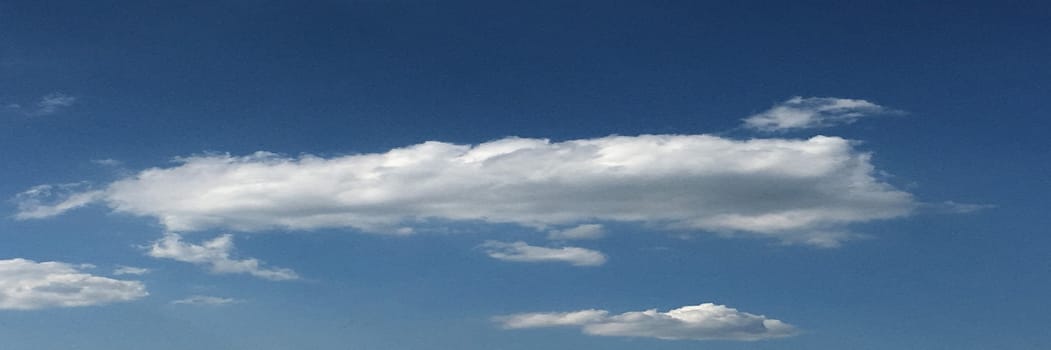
x: 129, y: 270
x: 586, y: 231
x: 813, y: 112
x: 49, y: 200
x: 522, y: 252
x: 206, y: 300
x: 697, y: 322
x: 793, y: 190
x: 215, y: 254
x: 27, y: 285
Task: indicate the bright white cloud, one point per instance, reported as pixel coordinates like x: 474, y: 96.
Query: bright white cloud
x: 130, y: 270
x: 697, y: 322
x: 522, y: 252
x: 215, y: 254
x: 586, y: 231
x: 793, y: 190
x: 27, y: 285
x: 813, y: 112
x: 205, y: 300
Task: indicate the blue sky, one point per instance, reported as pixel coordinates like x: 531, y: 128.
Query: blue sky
x: 524, y: 175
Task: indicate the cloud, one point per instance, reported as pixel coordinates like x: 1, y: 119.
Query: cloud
x: 28, y: 285
x: 215, y: 254
x: 698, y: 322
x: 522, y: 252
x: 49, y: 200
x: 129, y: 270
x: 205, y: 300
x: 793, y: 190
x: 813, y: 112
x: 587, y: 231
x: 47, y: 105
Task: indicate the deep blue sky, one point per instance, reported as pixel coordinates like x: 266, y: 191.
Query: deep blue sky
x: 157, y: 80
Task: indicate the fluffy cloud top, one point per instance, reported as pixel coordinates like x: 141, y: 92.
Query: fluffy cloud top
x: 215, y: 254
x: 522, y: 252
x: 697, y: 322
x: 27, y: 285
x: 795, y: 190
x: 812, y: 112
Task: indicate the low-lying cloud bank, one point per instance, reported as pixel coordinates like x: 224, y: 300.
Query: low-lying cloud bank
x: 794, y: 190
x: 698, y: 322
x: 28, y: 285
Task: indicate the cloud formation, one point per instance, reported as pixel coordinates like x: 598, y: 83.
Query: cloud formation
x: 698, y: 322
x: 794, y: 190
x: 129, y: 270
x: 813, y: 112
x: 28, y: 285
x: 205, y: 300
x: 215, y: 254
x: 523, y: 252
x: 586, y: 231
x: 48, y: 104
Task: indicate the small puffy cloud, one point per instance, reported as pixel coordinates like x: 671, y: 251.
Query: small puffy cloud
x: 205, y: 300
x: 586, y: 231
x: 813, y: 112
x: 697, y: 322
x: 215, y: 255
x: 522, y: 252
x: 28, y: 285
x: 792, y: 190
x: 130, y: 270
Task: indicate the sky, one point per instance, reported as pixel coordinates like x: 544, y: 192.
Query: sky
x: 524, y: 175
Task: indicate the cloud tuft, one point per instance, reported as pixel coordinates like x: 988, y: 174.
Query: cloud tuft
x: 697, y: 322
x: 813, y: 112
x: 523, y: 252
x: 215, y: 254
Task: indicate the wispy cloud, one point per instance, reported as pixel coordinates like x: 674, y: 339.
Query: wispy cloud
x: 792, y: 190
x: 47, y: 105
x: 49, y: 200
x: 586, y: 231
x: 813, y: 112
x: 215, y: 255
x: 206, y: 300
x: 129, y: 270
x: 27, y: 284
x: 523, y: 252
x: 698, y: 322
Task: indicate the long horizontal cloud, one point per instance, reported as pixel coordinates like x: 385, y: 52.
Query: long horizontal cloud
x: 522, y: 252
x: 813, y: 112
x: 697, y: 322
x: 27, y: 285
x: 215, y: 254
x: 795, y: 190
